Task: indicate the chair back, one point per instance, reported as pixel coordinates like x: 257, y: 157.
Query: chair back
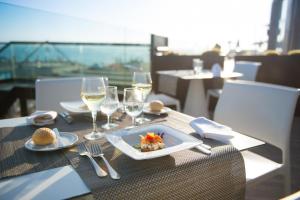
x: 263, y: 111
x: 167, y: 84
x: 248, y: 69
x: 50, y: 92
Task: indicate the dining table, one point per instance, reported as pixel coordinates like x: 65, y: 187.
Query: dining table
x: 187, y: 174
x: 196, y: 102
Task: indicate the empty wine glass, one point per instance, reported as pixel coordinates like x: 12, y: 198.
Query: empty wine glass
x: 133, y: 103
x: 143, y: 81
x: 110, y: 105
x: 93, y: 94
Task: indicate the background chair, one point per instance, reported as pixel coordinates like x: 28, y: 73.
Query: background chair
x: 249, y: 71
x: 167, y: 91
x: 263, y: 111
x: 50, y: 92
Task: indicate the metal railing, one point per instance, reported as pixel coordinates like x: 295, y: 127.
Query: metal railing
x: 31, y: 60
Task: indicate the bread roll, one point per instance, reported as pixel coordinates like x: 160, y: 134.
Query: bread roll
x: 43, y: 136
x: 156, y: 106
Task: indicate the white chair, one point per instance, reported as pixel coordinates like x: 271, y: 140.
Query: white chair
x: 263, y: 111
x: 249, y: 71
x: 50, y: 92
x: 167, y: 87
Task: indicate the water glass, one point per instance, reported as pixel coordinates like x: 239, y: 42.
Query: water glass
x: 143, y: 81
x: 110, y: 105
x: 133, y: 103
x: 197, y: 66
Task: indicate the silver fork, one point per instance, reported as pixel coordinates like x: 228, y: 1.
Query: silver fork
x: 97, y: 152
x: 82, y: 150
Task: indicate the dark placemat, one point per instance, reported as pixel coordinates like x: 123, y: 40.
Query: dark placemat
x: 187, y: 174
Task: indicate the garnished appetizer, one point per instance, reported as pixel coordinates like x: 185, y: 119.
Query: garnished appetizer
x: 152, y: 142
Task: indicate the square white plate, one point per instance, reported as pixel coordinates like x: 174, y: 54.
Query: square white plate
x: 174, y: 140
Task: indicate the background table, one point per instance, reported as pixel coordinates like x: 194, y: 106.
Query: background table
x: 196, y: 104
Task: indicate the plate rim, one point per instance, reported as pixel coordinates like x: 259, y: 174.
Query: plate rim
x: 145, y: 155
x: 62, y: 104
x: 148, y: 111
x: 53, y: 149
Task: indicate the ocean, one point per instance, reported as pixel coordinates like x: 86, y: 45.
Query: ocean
x: 25, y: 60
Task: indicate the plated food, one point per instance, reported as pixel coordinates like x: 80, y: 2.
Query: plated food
x: 151, y: 142
x: 44, y: 136
x: 128, y: 141
x: 45, y: 139
x: 156, y: 106
x: 42, y: 118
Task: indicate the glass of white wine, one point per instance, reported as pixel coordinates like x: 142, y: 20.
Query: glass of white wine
x: 93, y: 94
x: 133, y: 103
x: 110, y: 105
x: 143, y: 81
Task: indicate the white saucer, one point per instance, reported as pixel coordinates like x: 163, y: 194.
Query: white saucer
x: 66, y: 140
x: 163, y: 111
x: 52, y: 114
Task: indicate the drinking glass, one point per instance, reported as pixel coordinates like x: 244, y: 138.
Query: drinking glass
x: 197, y: 65
x: 110, y: 105
x: 93, y: 94
x: 133, y: 103
x: 143, y: 81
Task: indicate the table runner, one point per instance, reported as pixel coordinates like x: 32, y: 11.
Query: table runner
x: 187, y: 174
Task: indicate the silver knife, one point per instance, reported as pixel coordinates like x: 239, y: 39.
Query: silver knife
x: 66, y: 116
x: 203, y: 149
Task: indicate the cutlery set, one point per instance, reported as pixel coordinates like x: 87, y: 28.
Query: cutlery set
x: 96, y: 151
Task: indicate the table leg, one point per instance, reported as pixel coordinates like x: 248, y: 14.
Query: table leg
x: 24, y: 109
x: 196, y: 104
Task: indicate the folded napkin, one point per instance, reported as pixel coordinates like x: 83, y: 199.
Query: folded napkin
x: 209, y: 129
x: 41, y: 118
x: 216, y: 70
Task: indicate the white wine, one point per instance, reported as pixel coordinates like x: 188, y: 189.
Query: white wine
x: 145, y: 87
x: 93, y: 100
x: 133, y: 108
x: 109, y: 107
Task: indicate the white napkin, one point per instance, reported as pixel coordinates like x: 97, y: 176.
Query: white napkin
x: 41, y: 118
x: 209, y: 129
x: 216, y: 70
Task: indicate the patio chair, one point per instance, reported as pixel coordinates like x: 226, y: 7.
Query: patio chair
x: 249, y: 71
x: 263, y: 111
x: 167, y: 91
x: 50, y: 92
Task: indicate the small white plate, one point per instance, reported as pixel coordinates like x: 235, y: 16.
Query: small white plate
x: 30, y: 119
x: 66, y: 140
x: 163, y: 111
x: 174, y: 140
x: 75, y: 106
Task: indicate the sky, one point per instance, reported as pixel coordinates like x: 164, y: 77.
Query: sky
x: 193, y: 24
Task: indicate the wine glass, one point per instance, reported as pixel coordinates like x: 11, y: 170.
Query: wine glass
x: 143, y: 81
x: 93, y: 94
x: 133, y: 103
x: 110, y: 105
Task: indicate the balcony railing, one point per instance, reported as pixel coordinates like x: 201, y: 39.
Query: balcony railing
x: 31, y: 60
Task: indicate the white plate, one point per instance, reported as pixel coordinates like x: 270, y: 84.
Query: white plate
x: 175, y: 140
x: 163, y: 111
x: 66, y: 140
x: 75, y: 106
x: 53, y: 115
